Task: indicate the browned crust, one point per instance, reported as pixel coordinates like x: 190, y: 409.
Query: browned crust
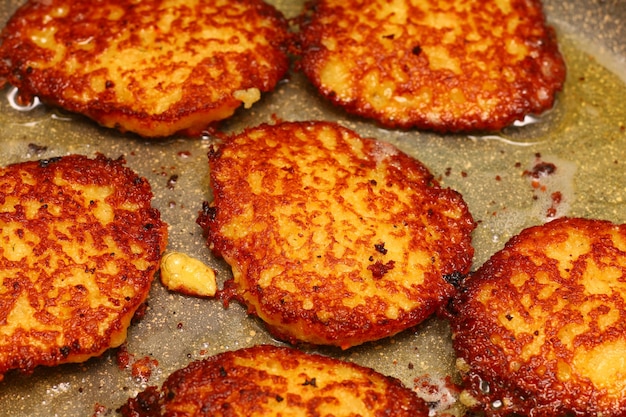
x: 125, y: 65
x: 541, y: 326
x: 270, y: 381
x: 69, y: 282
x: 333, y: 239
x: 446, y: 66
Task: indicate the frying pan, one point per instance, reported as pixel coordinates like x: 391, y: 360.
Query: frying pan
x: 584, y: 136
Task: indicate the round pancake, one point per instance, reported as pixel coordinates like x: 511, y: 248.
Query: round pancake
x: 154, y: 67
x: 268, y: 380
x: 79, y: 247
x: 447, y: 66
x: 333, y: 239
x: 540, y: 328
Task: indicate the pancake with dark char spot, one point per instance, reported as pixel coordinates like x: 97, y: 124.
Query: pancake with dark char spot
x: 79, y: 247
x: 333, y: 239
x: 540, y: 328
x: 276, y: 381
x: 154, y: 67
x: 448, y: 66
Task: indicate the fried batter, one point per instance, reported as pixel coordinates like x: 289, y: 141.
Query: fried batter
x: 153, y: 67
x: 333, y: 239
x: 276, y: 381
x: 79, y: 247
x: 431, y: 64
x: 540, y: 328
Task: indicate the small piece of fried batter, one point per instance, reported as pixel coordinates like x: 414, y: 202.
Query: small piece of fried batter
x: 540, y: 328
x: 269, y: 380
x: 79, y: 248
x: 154, y: 67
x: 333, y: 239
x: 448, y: 66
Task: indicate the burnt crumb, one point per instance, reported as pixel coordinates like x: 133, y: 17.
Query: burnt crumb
x: 65, y: 350
x: 45, y: 162
x: 170, y: 395
x: 312, y: 382
x: 380, y: 247
x: 209, y: 211
x: 223, y: 372
x: 109, y: 84
x: 541, y: 169
x: 145, y: 404
x: 171, y: 182
x: 416, y: 50
x: 379, y: 269
x: 455, y: 279
x: 432, y: 404
x: 279, y: 398
x: 214, y: 152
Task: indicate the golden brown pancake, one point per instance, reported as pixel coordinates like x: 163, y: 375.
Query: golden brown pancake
x: 333, y: 239
x: 540, y: 328
x: 276, y: 381
x: 153, y: 67
x: 448, y: 66
x: 79, y: 247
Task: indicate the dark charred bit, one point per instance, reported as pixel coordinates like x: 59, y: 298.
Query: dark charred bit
x: 214, y: 152
x: 45, y: 162
x: 312, y: 382
x: 209, y: 211
x: 380, y: 247
x: 379, y: 269
x: 206, y: 215
x: 65, y: 351
x: 455, y: 279
x: 171, y: 182
x: 416, y: 50
x: 541, y: 169
x: 146, y: 404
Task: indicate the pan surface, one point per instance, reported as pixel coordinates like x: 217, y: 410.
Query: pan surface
x: 584, y: 136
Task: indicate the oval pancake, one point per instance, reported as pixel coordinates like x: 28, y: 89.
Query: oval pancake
x: 154, y: 67
x: 540, y: 328
x: 333, y: 239
x: 268, y: 380
x: 448, y: 66
x: 79, y: 248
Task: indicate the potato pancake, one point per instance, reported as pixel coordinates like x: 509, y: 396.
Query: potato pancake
x: 448, y: 66
x: 268, y: 380
x: 155, y: 67
x: 333, y: 239
x: 540, y: 328
x: 79, y: 248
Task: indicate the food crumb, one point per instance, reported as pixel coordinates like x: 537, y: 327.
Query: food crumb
x: 187, y: 275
